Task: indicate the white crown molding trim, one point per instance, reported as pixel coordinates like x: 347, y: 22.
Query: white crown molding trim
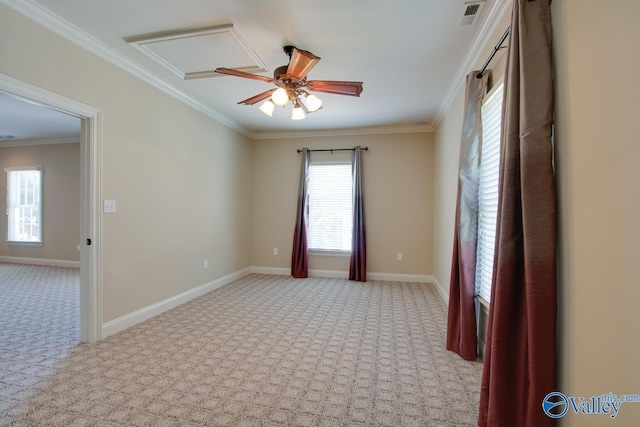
x: 121, y: 323
x: 39, y: 141
x: 258, y: 135
x: 40, y: 261
x: 495, y: 14
x: 43, y: 16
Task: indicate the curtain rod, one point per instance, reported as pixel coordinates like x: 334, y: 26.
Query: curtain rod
x: 336, y: 149
x: 493, y: 53
x: 496, y: 49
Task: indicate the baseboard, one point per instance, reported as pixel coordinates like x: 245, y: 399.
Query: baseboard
x: 271, y: 270
x: 332, y: 274
x: 444, y: 294
x: 335, y: 274
x: 395, y: 277
x: 121, y: 323
x: 40, y: 261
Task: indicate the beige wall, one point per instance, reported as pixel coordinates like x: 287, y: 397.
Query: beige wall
x: 398, y: 180
x: 596, y: 164
x: 61, y: 204
x: 447, y: 154
x: 596, y: 57
x: 182, y: 181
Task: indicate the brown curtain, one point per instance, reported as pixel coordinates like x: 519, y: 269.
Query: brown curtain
x: 520, y: 359
x: 358, y: 263
x: 300, y: 252
x: 461, y: 320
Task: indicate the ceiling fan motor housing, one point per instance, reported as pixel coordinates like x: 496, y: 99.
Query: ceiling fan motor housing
x: 280, y: 71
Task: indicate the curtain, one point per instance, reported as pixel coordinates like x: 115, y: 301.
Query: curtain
x: 461, y: 320
x: 300, y: 252
x: 358, y: 263
x: 520, y: 360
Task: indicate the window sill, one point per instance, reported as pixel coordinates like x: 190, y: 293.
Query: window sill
x: 24, y: 243
x: 319, y: 252
x: 483, y: 302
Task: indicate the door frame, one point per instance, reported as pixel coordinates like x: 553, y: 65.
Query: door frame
x: 90, y: 196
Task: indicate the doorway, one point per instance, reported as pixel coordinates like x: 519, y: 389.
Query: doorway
x: 90, y: 184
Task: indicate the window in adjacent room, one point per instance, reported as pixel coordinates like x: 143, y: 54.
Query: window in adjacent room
x: 330, y: 207
x: 24, y: 204
x: 488, y: 190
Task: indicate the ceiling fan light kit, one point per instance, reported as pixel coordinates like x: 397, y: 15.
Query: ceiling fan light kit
x: 297, y: 113
x: 280, y: 97
x: 268, y: 108
x: 293, y: 86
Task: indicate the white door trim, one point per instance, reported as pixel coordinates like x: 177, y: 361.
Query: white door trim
x: 90, y: 196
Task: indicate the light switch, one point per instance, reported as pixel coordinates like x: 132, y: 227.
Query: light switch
x: 109, y: 206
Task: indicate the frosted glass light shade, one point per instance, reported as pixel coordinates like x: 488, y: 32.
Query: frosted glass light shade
x: 297, y: 113
x: 280, y: 97
x: 267, y: 108
x: 313, y: 103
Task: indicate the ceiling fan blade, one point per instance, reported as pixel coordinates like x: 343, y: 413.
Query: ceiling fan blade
x: 258, y: 98
x: 336, y: 87
x: 301, y: 63
x: 237, y: 73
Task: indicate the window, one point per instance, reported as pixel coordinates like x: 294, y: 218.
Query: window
x: 488, y: 190
x: 330, y: 207
x: 24, y: 204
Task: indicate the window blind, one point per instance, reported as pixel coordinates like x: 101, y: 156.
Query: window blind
x: 488, y: 191
x: 330, y: 207
x: 24, y: 207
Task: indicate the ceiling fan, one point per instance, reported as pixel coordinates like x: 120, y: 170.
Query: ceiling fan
x: 293, y: 86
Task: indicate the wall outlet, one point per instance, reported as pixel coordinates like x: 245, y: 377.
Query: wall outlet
x: 206, y: 263
x: 275, y: 251
x: 399, y: 256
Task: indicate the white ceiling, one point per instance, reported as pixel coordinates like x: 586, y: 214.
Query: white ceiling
x: 21, y: 120
x: 410, y: 54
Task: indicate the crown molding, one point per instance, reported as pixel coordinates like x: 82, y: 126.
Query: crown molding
x: 342, y: 132
x: 495, y: 14
x: 44, y: 17
x: 39, y: 141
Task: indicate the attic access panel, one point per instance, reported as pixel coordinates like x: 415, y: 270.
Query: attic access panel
x: 195, y: 54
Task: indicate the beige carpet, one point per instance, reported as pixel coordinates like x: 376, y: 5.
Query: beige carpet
x: 269, y: 350
x: 39, y: 326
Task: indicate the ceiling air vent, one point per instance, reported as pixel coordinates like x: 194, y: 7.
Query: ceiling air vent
x: 471, y: 12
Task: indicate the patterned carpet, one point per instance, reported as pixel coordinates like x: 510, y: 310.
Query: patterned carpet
x: 39, y: 325
x: 264, y: 350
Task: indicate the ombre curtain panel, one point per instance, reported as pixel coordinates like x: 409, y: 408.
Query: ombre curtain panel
x: 300, y: 252
x: 358, y: 262
x: 461, y: 320
x: 520, y: 356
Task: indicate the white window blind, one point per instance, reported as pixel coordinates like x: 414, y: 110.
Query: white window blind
x: 330, y: 207
x: 24, y: 204
x: 488, y: 191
